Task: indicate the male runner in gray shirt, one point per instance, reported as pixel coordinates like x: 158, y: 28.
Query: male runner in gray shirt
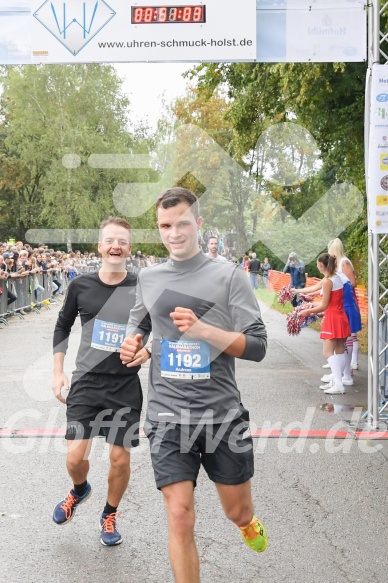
x: 203, y: 315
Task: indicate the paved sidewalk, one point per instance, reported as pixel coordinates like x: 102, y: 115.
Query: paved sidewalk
x: 323, y: 500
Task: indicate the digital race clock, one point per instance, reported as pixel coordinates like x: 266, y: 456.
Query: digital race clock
x: 190, y: 14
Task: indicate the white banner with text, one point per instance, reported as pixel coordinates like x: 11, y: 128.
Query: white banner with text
x: 86, y: 31
x: 117, y: 31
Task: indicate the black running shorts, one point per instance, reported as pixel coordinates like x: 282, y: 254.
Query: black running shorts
x: 225, y: 451
x: 99, y: 405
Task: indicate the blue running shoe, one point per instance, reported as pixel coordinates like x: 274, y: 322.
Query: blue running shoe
x: 109, y: 533
x: 65, y: 509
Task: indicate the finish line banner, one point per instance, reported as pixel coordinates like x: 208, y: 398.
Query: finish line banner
x: 122, y: 31
x: 377, y: 182
x: 114, y: 31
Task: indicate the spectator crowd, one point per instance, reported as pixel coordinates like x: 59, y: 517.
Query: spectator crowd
x: 47, y: 271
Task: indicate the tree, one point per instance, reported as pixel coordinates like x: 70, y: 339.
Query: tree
x: 52, y: 119
x: 211, y: 152
x: 326, y: 99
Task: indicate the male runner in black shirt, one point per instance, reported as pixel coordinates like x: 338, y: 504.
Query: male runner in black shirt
x: 105, y: 397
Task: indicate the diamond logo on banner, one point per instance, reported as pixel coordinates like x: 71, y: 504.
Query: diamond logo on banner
x: 74, y: 23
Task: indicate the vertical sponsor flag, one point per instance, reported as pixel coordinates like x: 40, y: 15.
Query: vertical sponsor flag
x: 377, y: 180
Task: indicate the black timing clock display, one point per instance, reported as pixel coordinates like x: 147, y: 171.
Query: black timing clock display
x: 189, y: 14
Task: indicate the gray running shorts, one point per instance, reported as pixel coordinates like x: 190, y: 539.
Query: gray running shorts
x: 224, y: 450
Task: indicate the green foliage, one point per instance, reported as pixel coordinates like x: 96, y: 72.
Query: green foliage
x: 227, y: 202
x: 325, y: 99
x: 51, y: 111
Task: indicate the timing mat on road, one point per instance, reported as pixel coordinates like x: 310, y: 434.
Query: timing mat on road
x: 258, y: 433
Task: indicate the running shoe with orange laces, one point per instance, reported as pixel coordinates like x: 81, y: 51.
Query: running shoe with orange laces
x: 255, y: 535
x: 109, y: 533
x: 65, y: 509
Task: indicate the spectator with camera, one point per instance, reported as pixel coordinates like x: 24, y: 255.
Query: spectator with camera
x: 296, y: 268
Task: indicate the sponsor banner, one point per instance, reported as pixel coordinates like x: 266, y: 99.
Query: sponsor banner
x: 121, y: 31
x: 377, y: 180
x: 71, y: 31
x: 15, y: 32
x: 308, y: 4
x: 317, y: 35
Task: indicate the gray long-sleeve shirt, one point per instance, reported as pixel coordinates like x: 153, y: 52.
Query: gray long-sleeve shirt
x: 217, y: 292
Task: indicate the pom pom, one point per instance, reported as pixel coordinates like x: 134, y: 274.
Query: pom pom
x: 285, y: 295
x: 306, y: 297
x: 295, y: 323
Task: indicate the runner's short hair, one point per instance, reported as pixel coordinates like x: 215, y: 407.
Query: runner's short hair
x: 174, y: 196
x: 114, y: 221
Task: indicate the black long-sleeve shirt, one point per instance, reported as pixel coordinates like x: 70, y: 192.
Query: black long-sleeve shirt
x: 104, y: 311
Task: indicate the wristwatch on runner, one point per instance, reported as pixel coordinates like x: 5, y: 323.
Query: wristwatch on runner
x: 148, y: 349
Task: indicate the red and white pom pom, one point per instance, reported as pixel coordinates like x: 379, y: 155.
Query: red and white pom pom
x: 285, y: 295
x: 306, y: 297
x: 295, y: 323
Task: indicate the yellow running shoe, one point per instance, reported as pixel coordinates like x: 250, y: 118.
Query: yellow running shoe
x: 255, y: 535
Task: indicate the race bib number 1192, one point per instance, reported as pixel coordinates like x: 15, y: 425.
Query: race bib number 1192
x: 186, y: 359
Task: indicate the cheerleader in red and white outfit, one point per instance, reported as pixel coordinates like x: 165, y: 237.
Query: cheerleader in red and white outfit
x: 345, y: 267
x: 335, y: 327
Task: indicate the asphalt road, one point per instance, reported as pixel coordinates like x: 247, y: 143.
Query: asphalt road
x: 324, y: 501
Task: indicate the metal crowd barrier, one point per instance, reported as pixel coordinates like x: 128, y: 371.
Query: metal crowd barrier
x: 383, y: 355
x: 26, y: 298
x: 3, y: 301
